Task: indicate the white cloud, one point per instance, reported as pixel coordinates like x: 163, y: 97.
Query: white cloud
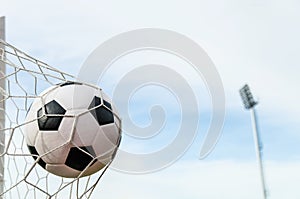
x: 207, y: 180
x: 249, y: 41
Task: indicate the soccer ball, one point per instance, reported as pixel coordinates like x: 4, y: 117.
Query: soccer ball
x: 73, y: 129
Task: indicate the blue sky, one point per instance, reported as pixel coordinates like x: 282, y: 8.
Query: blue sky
x: 249, y: 41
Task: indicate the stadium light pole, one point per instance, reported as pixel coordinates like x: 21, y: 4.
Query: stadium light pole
x: 2, y: 108
x: 250, y: 104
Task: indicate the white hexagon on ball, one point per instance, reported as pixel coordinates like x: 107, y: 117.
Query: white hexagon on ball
x: 74, y: 128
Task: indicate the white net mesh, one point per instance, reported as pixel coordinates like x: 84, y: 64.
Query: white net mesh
x: 24, y: 78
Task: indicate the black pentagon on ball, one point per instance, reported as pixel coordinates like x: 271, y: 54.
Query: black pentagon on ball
x: 67, y: 83
x: 50, y: 122
x: 33, y: 151
x: 80, y: 157
x: 102, y: 113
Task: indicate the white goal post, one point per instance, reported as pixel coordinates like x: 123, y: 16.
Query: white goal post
x: 2, y: 105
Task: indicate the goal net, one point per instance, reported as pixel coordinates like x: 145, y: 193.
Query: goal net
x: 22, y: 78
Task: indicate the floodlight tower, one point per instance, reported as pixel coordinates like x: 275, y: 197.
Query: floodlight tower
x: 250, y: 104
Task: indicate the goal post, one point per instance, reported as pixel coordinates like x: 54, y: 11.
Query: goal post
x: 2, y: 106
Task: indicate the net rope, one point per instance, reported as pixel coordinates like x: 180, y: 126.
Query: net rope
x: 23, y: 78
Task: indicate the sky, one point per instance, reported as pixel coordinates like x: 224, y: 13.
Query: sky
x: 254, y: 42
